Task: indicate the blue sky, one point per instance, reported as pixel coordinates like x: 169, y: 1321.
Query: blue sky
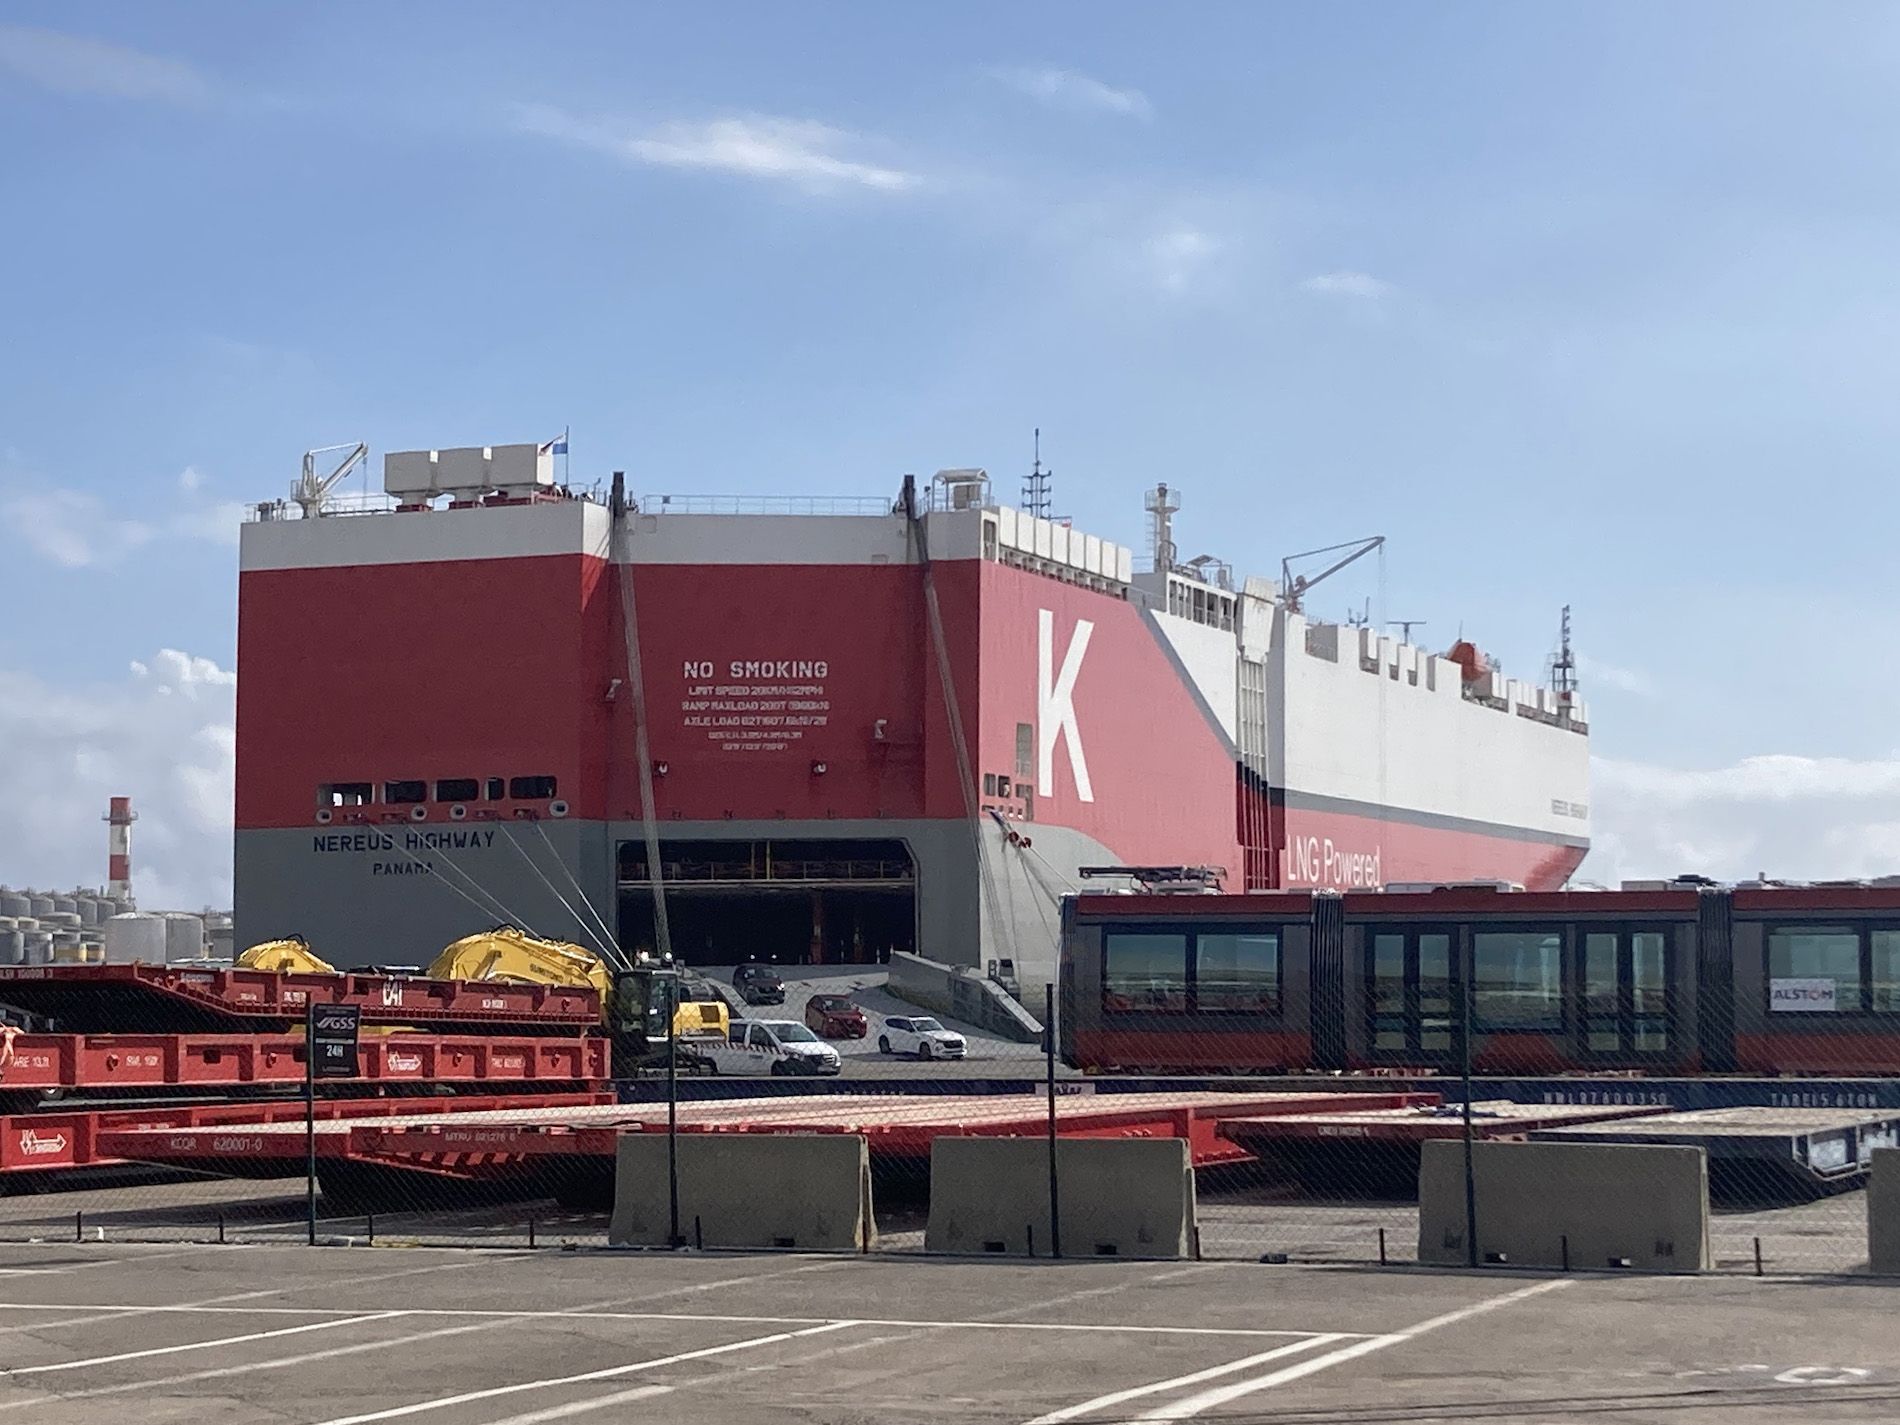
x: 1588, y: 304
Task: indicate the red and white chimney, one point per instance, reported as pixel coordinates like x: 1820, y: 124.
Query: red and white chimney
x: 119, y: 847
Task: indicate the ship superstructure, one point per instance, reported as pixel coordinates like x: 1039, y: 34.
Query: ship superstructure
x: 870, y: 726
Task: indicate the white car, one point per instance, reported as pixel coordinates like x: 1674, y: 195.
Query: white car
x: 770, y: 1046
x: 923, y: 1037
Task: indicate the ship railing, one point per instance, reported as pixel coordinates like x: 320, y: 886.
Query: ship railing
x: 352, y: 504
x: 764, y: 505
x: 739, y: 872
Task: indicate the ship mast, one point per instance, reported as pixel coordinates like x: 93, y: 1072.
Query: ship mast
x: 1563, y: 669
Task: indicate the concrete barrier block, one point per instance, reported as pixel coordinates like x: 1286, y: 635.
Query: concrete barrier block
x: 1123, y: 1197
x: 809, y: 1191
x: 1644, y: 1206
x: 1883, y: 1213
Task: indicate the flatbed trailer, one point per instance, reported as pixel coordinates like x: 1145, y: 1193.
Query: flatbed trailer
x: 566, y: 1151
x: 63, y: 1139
x: 177, y: 999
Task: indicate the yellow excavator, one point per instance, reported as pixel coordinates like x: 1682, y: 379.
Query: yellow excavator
x: 632, y: 1013
x: 290, y: 956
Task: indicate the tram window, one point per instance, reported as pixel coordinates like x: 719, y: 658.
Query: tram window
x: 1434, y: 992
x: 1600, y: 991
x: 1649, y: 989
x: 1237, y: 972
x: 1818, y: 952
x: 1388, y: 991
x: 1144, y: 972
x: 1885, y: 979
x: 1518, y: 979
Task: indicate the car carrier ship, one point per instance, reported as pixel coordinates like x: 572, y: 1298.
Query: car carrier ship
x: 826, y: 730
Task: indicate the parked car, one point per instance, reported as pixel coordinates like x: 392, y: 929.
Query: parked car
x: 757, y: 984
x: 835, y: 1017
x: 923, y: 1037
x: 770, y: 1046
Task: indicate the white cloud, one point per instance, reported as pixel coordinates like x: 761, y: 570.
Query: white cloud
x: 73, y: 64
x: 164, y: 735
x: 1067, y: 89
x: 1596, y: 673
x: 1180, y: 256
x: 1802, y: 818
x: 190, y: 478
x: 76, y: 530
x: 1360, y: 286
x: 812, y: 156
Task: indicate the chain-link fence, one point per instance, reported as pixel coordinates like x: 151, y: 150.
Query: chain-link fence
x: 458, y: 1138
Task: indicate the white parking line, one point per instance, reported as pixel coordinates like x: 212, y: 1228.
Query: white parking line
x: 275, y: 1363
x: 610, y: 1373
x: 110, y: 1312
x: 1122, y: 1397
x: 200, y: 1345
x: 1193, y: 1405
x: 587, y: 1314
x: 584, y: 1407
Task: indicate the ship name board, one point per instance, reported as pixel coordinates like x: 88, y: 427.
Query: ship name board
x: 409, y: 851
x: 1317, y: 861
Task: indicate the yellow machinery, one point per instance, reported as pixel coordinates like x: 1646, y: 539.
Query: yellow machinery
x: 513, y: 956
x: 510, y: 956
x: 289, y: 956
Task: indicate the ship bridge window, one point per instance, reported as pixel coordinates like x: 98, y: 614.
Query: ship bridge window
x: 1518, y: 979
x: 345, y: 794
x: 406, y: 791
x: 531, y: 789
x: 457, y: 789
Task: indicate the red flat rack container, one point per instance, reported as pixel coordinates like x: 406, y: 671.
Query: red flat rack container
x: 95, y: 999
x: 200, y: 1061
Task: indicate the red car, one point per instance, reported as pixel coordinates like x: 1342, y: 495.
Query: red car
x: 835, y: 1017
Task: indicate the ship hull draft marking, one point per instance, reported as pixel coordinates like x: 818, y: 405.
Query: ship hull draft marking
x: 1055, y: 706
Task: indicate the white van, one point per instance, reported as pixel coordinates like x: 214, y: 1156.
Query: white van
x: 770, y: 1046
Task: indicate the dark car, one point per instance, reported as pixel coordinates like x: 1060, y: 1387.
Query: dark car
x: 758, y: 985
x: 835, y: 1017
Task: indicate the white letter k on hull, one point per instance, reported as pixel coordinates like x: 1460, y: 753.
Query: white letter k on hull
x: 1055, y: 705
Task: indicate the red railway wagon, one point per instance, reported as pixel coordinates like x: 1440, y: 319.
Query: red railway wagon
x: 1679, y: 980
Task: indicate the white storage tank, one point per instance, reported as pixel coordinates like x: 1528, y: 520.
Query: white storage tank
x: 184, y: 936
x: 12, y: 947
x: 37, y: 948
x: 135, y: 937
x: 38, y: 905
x: 66, y: 949
x: 92, y: 910
x: 66, y: 905
x: 220, y: 936
x: 60, y: 920
x: 14, y: 904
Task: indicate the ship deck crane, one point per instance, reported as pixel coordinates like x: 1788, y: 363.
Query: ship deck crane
x: 312, y: 489
x: 1294, y: 587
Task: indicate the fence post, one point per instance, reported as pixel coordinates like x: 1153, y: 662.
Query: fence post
x: 1049, y: 1056
x: 1466, y: 997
